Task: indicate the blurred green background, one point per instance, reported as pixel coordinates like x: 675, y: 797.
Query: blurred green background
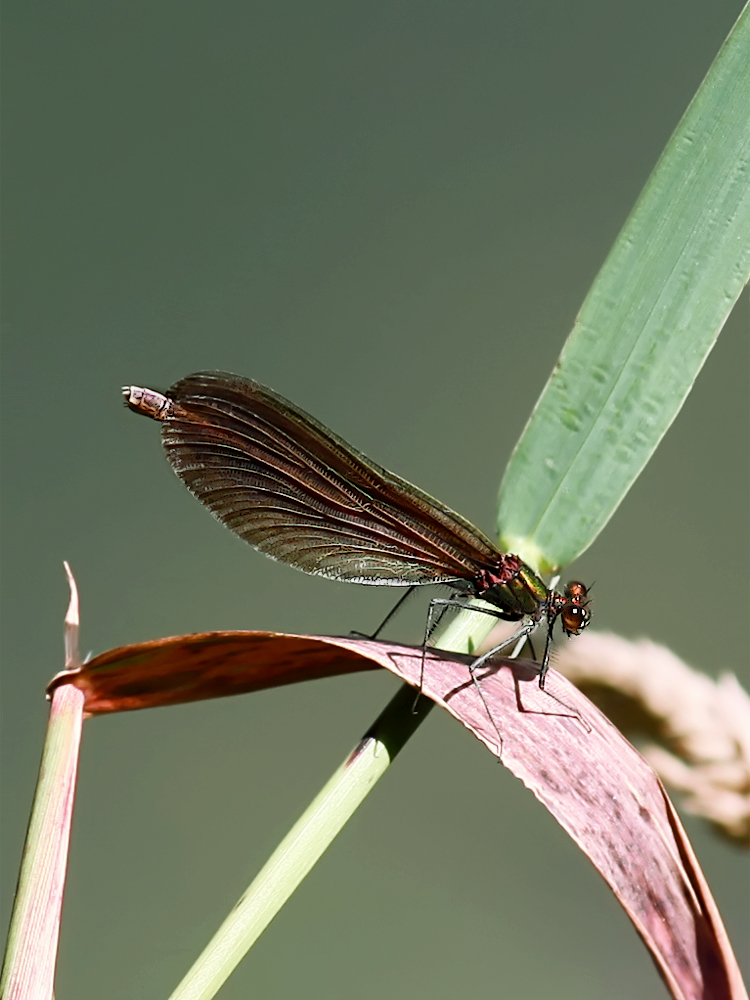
x: 390, y: 213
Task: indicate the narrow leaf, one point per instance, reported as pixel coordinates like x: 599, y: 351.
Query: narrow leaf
x: 645, y: 329
x: 31, y: 951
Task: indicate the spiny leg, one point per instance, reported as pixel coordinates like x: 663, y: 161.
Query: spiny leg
x: 432, y: 619
x: 547, y: 650
x: 444, y: 603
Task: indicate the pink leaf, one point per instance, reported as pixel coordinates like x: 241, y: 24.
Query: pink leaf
x: 31, y: 952
x: 597, y: 786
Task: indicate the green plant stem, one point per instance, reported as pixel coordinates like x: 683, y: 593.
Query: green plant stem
x: 322, y: 820
x: 304, y: 844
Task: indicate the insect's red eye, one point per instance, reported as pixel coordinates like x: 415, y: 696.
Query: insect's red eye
x: 574, y: 618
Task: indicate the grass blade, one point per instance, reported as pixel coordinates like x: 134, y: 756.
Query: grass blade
x: 645, y: 329
x: 31, y: 950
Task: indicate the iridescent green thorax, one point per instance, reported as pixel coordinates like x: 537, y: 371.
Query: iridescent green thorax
x: 513, y: 588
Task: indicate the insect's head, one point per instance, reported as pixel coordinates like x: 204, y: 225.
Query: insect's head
x: 574, y: 612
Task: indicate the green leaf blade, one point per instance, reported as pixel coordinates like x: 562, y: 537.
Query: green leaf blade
x: 644, y: 330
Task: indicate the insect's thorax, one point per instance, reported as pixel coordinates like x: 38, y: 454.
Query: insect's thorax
x: 513, y: 588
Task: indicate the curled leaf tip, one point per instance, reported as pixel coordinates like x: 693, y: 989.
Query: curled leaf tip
x: 72, y: 620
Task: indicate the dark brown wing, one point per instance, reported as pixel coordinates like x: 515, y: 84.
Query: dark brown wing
x: 296, y: 491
